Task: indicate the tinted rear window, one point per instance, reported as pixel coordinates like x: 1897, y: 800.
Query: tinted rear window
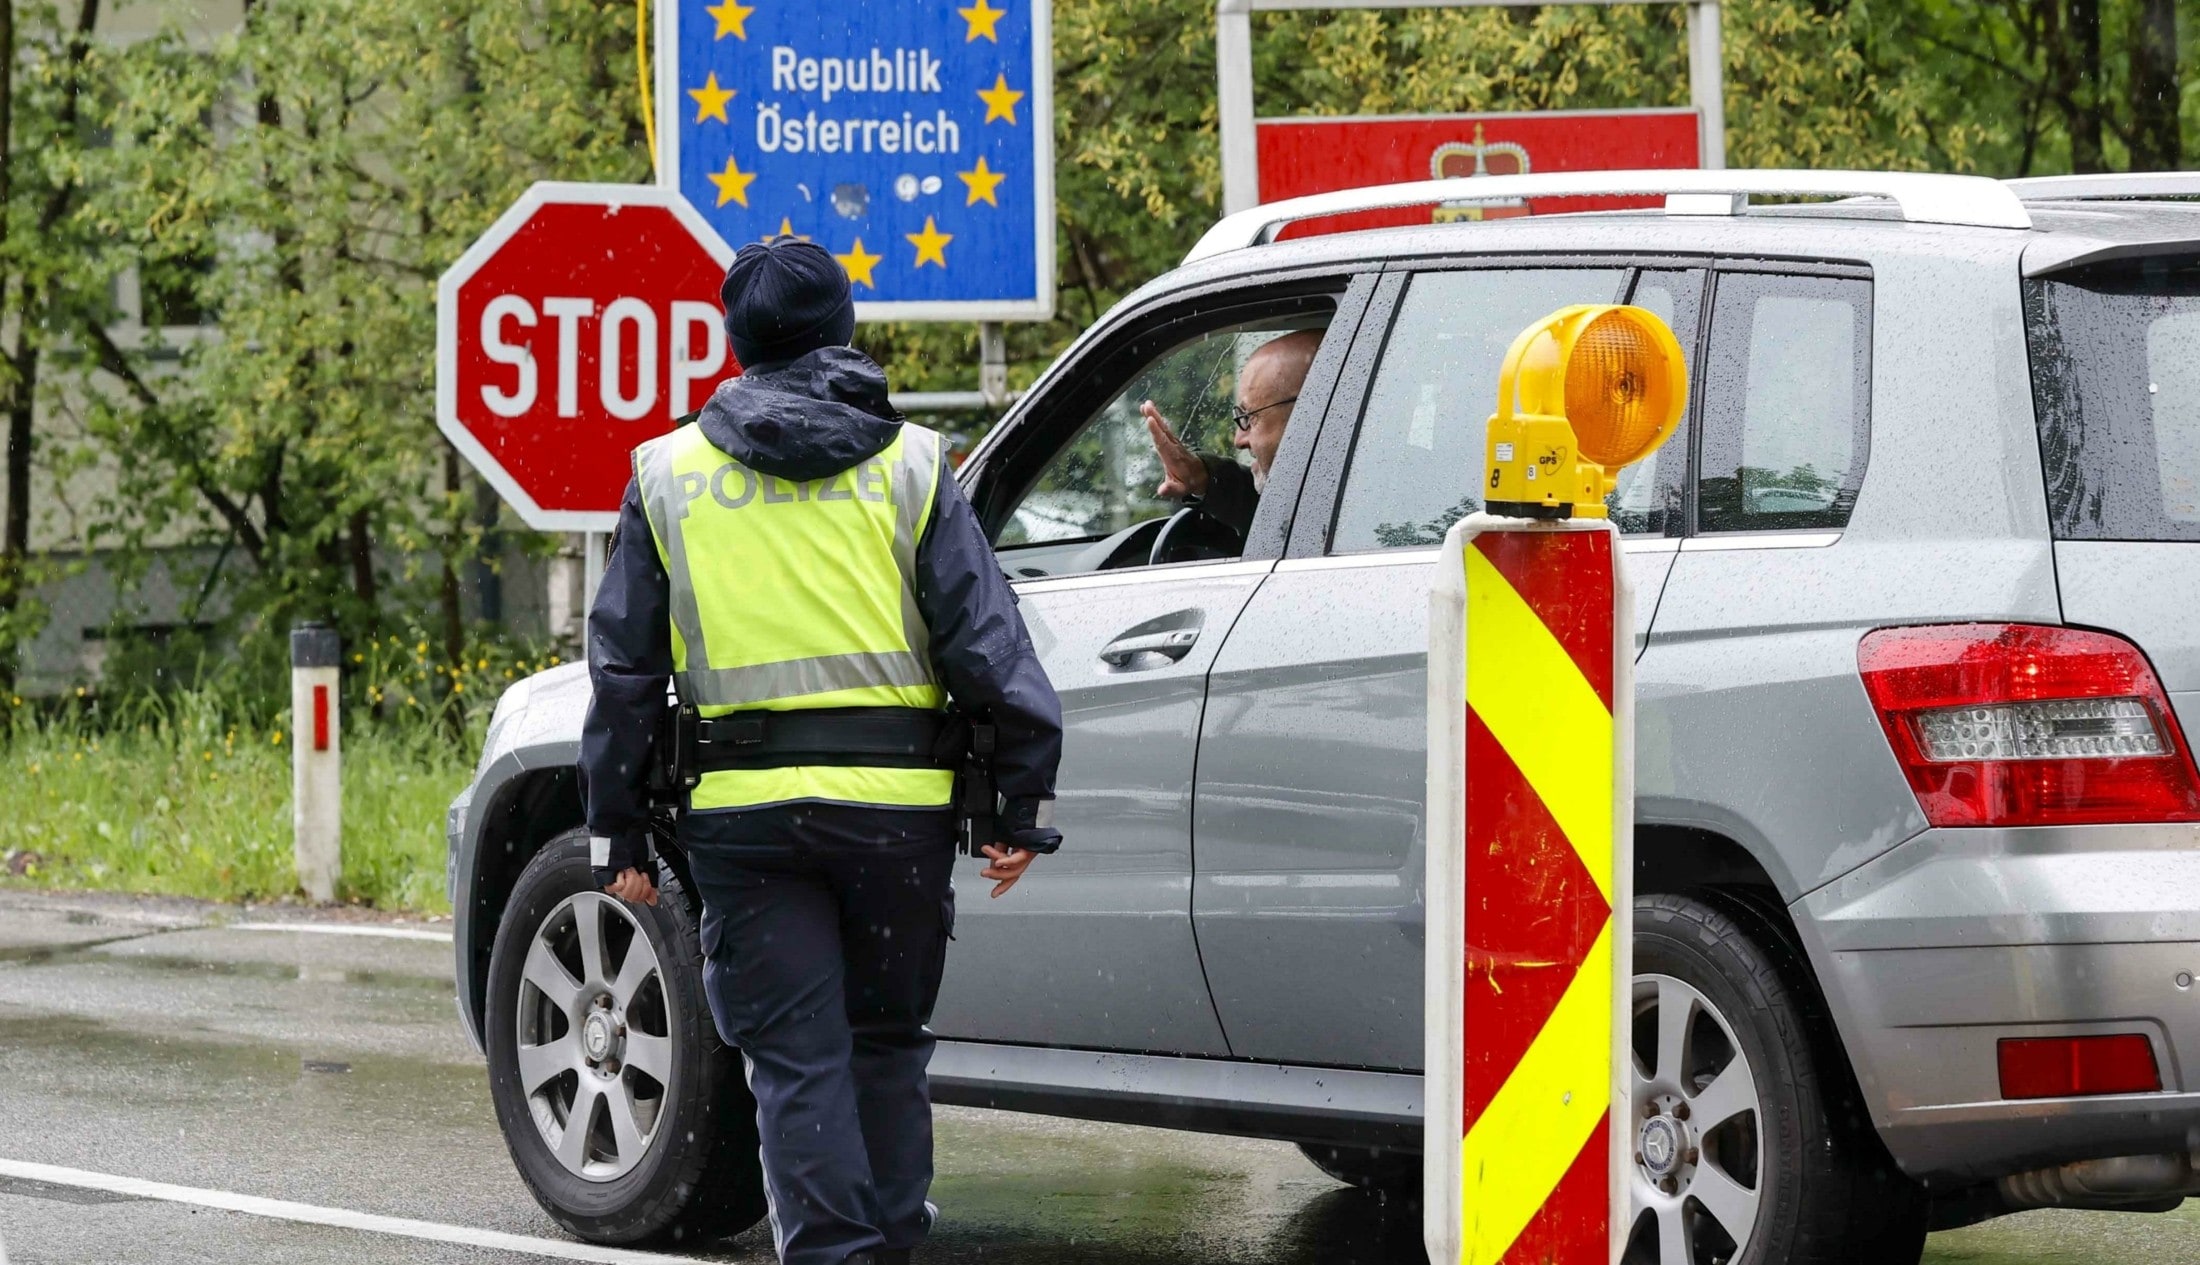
x: 2116, y: 384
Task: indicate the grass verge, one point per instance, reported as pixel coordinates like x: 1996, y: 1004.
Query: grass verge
x: 186, y: 803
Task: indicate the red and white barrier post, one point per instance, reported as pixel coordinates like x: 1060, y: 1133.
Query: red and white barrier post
x: 316, y: 783
x: 1529, y: 1138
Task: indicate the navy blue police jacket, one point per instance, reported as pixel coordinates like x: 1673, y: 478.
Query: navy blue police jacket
x: 799, y: 420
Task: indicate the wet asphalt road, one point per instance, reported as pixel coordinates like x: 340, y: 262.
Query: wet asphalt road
x: 138, y: 1042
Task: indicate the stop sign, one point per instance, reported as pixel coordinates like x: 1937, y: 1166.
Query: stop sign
x: 581, y: 324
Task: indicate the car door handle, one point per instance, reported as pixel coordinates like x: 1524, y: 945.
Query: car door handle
x: 1173, y: 645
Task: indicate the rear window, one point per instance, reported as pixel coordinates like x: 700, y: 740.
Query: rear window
x: 2116, y: 385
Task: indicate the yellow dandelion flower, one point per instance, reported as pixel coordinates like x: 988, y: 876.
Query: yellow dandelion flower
x: 80, y: 691
x: 422, y: 648
x: 482, y: 666
x: 410, y: 701
x: 458, y: 687
x: 275, y: 739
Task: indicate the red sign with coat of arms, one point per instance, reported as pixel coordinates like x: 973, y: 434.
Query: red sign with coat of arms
x: 1319, y: 155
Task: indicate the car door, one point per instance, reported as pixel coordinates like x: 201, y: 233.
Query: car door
x: 1751, y: 669
x: 1308, y: 819
x: 1095, y: 948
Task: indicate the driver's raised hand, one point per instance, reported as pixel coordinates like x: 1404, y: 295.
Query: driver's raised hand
x: 1182, y: 472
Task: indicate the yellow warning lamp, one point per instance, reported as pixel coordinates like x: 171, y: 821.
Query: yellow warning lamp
x: 1584, y: 391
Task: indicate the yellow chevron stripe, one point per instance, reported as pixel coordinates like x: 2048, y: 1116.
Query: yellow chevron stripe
x: 1543, y: 711
x: 1523, y: 1143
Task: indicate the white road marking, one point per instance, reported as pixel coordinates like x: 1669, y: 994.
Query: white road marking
x: 341, y: 1218
x: 337, y: 929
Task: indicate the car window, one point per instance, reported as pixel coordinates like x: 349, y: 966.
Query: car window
x: 1417, y: 460
x: 2116, y: 382
x: 1103, y: 481
x: 1641, y: 504
x: 1786, y: 402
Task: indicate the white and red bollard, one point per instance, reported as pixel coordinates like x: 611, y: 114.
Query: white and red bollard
x: 316, y: 781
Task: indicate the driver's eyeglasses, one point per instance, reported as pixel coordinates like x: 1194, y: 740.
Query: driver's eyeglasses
x: 1242, y: 418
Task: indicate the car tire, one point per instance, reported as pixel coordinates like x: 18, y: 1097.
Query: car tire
x: 1744, y: 1109
x: 596, y: 1009
x: 1393, y: 1173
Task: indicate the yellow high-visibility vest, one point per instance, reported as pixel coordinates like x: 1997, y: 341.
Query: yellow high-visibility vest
x: 788, y: 596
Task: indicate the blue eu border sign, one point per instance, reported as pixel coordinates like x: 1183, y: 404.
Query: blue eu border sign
x: 914, y: 139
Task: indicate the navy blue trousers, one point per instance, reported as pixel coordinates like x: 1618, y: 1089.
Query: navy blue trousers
x: 825, y: 931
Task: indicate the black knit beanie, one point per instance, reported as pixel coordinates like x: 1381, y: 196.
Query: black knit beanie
x: 785, y: 298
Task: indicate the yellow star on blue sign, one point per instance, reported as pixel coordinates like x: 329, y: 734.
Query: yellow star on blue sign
x: 983, y: 20
x: 984, y: 183
x: 931, y: 244
x: 733, y: 183
x: 859, y: 264
x: 710, y: 100
x: 732, y: 19
x: 1000, y: 100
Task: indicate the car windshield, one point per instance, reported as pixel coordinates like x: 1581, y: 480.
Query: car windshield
x: 2116, y: 380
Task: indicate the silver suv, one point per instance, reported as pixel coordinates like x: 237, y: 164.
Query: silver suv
x: 1918, y: 613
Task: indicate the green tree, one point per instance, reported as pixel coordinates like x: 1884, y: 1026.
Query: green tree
x: 303, y: 183
x: 53, y: 276
x: 2058, y: 85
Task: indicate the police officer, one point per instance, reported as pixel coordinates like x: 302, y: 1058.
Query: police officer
x: 802, y: 563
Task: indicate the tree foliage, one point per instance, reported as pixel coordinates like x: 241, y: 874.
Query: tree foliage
x: 299, y: 183
x: 53, y: 276
x: 298, y: 187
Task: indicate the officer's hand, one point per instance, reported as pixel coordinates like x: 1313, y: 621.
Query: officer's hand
x: 633, y: 885
x: 1182, y: 472
x: 1008, y: 865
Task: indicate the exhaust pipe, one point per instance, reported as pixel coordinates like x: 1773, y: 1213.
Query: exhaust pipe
x: 2133, y: 1183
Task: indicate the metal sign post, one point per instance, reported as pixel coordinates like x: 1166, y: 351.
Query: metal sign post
x: 915, y: 142
x: 1234, y: 72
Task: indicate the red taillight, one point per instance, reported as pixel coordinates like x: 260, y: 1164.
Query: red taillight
x: 2071, y: 1067
x: 2027, y: 725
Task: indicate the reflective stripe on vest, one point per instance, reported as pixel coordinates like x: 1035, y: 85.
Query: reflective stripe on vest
x: 790, y: 595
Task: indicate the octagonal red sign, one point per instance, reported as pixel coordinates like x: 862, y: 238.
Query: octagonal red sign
x: 581, y: 324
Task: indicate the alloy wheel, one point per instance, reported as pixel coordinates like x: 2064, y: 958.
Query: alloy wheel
x: 1697, y: 1130
x: 595, y: 1043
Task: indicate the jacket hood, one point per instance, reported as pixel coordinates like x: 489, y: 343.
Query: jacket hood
x: 803, y: 419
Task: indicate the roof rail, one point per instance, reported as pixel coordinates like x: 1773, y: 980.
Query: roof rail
x: 2135, y: 184
x: 1923, y: 197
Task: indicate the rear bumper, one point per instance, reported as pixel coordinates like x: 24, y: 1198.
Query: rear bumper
x: 1938, y: 950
